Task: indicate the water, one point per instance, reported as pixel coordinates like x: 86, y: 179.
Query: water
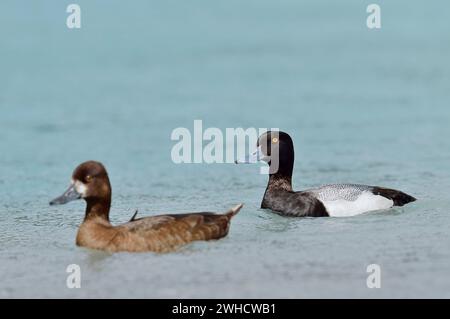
x: 362, y: 106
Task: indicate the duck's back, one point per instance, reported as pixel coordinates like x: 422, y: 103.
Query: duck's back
x: 168, y: 232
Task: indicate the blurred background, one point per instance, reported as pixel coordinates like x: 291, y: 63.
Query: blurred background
x: 363, y: 106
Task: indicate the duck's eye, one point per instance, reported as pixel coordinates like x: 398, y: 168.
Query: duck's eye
x: 274, y: 140
x: 88, y: 178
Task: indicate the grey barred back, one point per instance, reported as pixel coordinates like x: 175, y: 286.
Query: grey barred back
x: 349, y: 192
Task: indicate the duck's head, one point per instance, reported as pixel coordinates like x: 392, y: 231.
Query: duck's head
x: 89, y: 182
x: 276, y: 149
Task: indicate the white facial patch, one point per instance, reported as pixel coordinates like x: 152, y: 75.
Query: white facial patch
x: 80, y: 188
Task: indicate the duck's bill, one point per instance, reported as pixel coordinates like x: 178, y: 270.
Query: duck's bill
x: 69, y: 195
x: 252, y: 158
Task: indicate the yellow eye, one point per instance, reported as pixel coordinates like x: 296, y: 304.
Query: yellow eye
x: 274, y: 140
x: 88, y: 178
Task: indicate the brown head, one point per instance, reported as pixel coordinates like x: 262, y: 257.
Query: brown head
x: 89, y: 182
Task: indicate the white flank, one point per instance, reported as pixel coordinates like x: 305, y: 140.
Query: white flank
x: 365, y: 202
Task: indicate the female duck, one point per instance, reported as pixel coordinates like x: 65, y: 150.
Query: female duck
x: 161, y: 233
x: 276, y: 148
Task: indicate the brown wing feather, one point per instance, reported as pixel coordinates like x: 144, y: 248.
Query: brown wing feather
x: 165, y: 233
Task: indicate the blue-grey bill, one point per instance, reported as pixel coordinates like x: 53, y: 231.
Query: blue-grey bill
x: 252, y: 158
x: 69, y: 195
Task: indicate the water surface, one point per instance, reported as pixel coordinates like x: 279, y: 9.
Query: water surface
x: 362, y: 106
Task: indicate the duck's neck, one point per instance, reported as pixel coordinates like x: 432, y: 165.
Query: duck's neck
x: 98, y: 208
x: 280, y: 177
x: 279, y: 181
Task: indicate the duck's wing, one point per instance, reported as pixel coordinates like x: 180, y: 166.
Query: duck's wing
x: 164, y: 233
x: 354, y: 199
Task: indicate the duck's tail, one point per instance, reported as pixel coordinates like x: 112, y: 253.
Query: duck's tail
x: 134, y: 216
x: 234, y: 210
x: 399, y: 198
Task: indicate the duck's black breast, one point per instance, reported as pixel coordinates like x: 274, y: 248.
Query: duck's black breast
x: 298, y: 204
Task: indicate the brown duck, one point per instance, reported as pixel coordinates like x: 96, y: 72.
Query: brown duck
x: 162, y: 233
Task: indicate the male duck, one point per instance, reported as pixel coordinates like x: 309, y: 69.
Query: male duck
x: 161, y: 233
x: 276, y: 148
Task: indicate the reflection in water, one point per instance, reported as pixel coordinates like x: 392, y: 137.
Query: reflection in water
x: 95, y: 259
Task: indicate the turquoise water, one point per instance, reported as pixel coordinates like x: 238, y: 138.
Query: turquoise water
x: 363, y: 106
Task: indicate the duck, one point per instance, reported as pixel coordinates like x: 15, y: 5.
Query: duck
x: 160, y: 234
x: 336, y: 200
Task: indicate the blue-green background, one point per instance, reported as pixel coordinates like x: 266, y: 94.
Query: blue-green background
x: 363, y: 106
